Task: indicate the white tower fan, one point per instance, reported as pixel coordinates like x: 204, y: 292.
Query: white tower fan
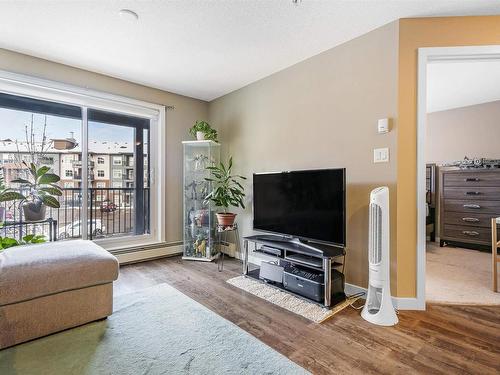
x: 378, y: 308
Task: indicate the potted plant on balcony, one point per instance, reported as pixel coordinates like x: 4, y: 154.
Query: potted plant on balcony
x: 41, y: 192
x: 6, y: 242
x: 202, y: 130
x: 7, y: 195
x: 226, y: 191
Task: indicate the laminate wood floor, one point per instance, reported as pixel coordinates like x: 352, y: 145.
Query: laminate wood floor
x: 442, y: 340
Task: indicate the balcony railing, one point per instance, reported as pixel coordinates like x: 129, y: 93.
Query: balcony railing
x: 90, y: 175
x: 111, y: 212
x: 78, y: 163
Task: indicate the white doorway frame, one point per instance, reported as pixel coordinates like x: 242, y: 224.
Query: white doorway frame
x: 426, y: 55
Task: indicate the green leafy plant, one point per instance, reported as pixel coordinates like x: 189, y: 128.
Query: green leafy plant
x: 6, y: 242
x: 227, y: 190
x: 205, y: 128
x: 7, y: 194
x: 41, y: 186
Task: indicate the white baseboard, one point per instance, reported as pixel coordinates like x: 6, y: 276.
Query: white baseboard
x: 408, y: 303
x: 400, y: 303
x: 147, y: 254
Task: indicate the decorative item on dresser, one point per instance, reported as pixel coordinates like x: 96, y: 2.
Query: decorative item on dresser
x: 469, y: 199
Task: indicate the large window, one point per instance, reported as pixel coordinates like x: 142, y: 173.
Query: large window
x: 65, y: 133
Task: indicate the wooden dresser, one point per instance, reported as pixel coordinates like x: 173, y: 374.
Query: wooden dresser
x: 469, y: 198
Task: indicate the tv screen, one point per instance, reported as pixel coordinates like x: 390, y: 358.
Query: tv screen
x: 304, y: 204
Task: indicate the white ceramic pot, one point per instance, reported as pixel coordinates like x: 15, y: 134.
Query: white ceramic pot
x: 200, y: 136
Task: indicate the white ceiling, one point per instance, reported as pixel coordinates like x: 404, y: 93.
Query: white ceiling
x: 197, y: 48
x: 460, y: 84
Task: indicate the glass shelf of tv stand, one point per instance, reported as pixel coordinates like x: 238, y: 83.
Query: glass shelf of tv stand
x: 336, y: 256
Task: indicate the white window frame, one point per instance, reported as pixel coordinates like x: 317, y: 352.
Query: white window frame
x: 103, y: 173
x: 24, y: 85
x: 117, y: 174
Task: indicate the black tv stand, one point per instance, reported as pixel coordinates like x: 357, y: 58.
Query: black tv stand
x: 320, y: 258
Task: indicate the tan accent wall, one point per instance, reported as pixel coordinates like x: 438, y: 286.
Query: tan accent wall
x: 187, y: 111
x: 414, y: 34
x: 471, y: 131
x: 321, y: 113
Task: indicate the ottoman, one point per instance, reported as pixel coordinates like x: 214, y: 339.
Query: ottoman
x: 53, y: 286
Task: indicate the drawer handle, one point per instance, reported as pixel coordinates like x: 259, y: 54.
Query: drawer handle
x: 472, y: 193
x: 472, y: 179
x: 470, y: 219
x: 470, y: 233
x: 475, y: 206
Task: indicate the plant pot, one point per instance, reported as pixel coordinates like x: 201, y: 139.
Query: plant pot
x: 226, y: 219
x: 200, y: 136
x: 34, y: 211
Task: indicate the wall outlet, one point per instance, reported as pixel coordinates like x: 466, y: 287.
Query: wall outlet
x: 381, y: 155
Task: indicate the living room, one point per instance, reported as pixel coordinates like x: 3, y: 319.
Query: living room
x: 139, y: 119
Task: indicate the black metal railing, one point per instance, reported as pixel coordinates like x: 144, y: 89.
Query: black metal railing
x: 111, y: 212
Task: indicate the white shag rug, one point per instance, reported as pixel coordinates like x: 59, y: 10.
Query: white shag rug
x: 459, y: 276
x: 308, y: 310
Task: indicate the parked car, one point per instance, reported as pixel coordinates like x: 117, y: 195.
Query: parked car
x: 73, y: 229
x: 108, y: 206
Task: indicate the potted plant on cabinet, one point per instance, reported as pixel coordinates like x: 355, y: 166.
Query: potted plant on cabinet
x: 42, y: 192
x: 7, y: 195
x: 226, y: 191
x: 202, y: 130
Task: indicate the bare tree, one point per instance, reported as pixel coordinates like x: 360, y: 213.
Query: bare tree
x: 34, y: 147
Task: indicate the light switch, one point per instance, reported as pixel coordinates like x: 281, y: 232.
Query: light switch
x: 381, y: 155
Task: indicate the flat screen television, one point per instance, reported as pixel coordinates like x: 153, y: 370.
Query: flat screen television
x: 308, y: 204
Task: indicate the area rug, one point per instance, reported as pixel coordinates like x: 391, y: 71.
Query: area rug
x: 299, y: 306
x: 459, y: 276
x: 155, y: 331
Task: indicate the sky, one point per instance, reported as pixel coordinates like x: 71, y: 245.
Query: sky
x: 12, y: 125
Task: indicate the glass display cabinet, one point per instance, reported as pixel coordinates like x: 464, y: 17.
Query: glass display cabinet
x: 199, y: 217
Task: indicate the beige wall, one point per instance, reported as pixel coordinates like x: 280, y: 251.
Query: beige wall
x: 471, y: 131
x: 321, y: 113
x: 186, y: 111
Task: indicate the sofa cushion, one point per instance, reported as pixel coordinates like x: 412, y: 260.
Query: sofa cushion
x: 28, y: 272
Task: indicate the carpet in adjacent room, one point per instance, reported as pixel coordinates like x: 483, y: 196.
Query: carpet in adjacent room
x: 459, y: 276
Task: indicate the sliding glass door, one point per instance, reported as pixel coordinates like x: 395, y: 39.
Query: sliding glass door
x: 102, y: 158
x: 118, y: 174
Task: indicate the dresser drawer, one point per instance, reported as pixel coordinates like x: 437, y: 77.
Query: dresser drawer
x: 465, y: 233
x: 467, y: 179
x: 472, y: 219
x: 472, y: 193
x: 466, y: 206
